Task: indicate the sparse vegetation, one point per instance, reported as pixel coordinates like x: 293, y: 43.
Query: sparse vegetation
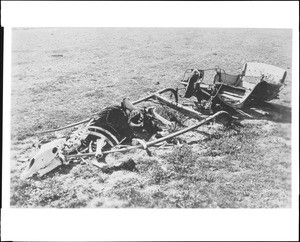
x: 246, y: 166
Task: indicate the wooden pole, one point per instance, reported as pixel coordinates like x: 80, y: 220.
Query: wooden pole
x: 179, y: 107
x: 151, y: 143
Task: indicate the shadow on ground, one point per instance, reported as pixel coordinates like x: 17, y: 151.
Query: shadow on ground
x: 266, y: 111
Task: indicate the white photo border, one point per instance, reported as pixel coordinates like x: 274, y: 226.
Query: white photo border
x: 149, y: 224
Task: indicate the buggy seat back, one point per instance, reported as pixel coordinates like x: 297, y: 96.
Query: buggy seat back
x: 272, y: 74
x: 229, y: 79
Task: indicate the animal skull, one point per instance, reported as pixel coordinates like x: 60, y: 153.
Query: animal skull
x: 47, y: 158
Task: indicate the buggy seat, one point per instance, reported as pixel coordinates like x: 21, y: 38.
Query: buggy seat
x: 262, y: 81
x: 252, y: 73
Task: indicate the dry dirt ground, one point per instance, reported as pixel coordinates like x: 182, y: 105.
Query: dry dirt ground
x: 63, y: 75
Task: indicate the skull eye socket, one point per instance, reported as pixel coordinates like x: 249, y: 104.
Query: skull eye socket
x: 54, y: 150
x: 31, y: 162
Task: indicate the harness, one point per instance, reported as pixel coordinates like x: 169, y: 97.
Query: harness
x: 111, y: 123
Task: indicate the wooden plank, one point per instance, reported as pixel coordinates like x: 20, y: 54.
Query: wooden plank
x: 233, y: 94
x: 230, y: 97
x: 179, y: 107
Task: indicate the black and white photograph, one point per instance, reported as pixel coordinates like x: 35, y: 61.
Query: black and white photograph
x: 162, y: 118
x: 151, y: 118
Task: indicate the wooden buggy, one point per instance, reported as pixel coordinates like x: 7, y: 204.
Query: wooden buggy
x: 257, y: 82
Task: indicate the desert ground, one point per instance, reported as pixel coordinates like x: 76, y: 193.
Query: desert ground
x: 63, y: 75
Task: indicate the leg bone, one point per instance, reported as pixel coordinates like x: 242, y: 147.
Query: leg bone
x: 164, y: 121
x: 100, y: 144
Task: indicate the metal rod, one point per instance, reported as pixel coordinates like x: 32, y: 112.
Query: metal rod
x: 66, y: 127
x: 135, y: 102
x: 157, y: 93
x: 151, y: 143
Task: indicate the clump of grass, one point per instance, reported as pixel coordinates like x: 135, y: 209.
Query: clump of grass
x: 51, y: 191
x: 182, y: 159
x: 133, y: 197
x: 85, y: 172
x: 28, y: 194
x: 158, y: 175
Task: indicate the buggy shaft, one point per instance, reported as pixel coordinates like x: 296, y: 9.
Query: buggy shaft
x: 179, y: 107
x: 151, y: 143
